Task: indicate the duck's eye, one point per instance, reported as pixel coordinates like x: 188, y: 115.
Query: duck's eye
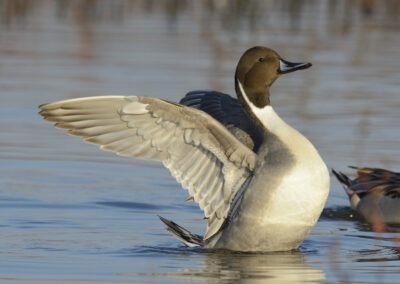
x: 261, y: 59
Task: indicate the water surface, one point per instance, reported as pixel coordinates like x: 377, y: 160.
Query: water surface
x: 72, y: 213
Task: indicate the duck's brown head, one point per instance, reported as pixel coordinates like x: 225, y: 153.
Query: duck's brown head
x: 257, y: 69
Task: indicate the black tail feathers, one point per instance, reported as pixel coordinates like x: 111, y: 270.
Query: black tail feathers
x: 188, y: 238
x: 342, y: 178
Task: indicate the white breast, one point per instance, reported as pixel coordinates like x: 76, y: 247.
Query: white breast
x: 301, y: 196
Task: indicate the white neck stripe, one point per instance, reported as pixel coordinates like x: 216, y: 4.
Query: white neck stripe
x: 252, y: 106
x: 267, y: 116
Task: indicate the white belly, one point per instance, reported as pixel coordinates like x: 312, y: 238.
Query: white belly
x: 278, y: 218
x: 300, y: 198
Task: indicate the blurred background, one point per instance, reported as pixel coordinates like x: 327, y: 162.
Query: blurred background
x: 65, y: 204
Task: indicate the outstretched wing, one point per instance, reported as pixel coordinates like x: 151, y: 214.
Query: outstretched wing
x: 228, y: 112
x: 200, y: 152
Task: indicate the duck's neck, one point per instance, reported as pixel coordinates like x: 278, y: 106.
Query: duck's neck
x: 263, y: 115
x: 270, y: 122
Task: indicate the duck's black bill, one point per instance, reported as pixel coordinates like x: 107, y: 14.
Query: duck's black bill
x: 287, y: 67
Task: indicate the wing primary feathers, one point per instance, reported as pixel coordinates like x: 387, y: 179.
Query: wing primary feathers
x: 204, y: 156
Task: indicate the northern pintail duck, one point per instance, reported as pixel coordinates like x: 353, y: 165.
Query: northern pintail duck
x: 374, y: 194
x: 261, y: 184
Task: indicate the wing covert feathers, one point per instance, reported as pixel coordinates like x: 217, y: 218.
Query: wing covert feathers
x: 200, y: 153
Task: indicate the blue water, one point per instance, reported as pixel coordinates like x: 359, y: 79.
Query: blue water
x: 70, y: 212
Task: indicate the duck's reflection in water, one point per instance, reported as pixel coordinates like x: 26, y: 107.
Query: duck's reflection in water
x: 229, y: 267
x: 287, y: 267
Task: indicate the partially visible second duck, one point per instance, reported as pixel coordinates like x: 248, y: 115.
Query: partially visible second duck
x: 261, y: 184
x: 374, y: 194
